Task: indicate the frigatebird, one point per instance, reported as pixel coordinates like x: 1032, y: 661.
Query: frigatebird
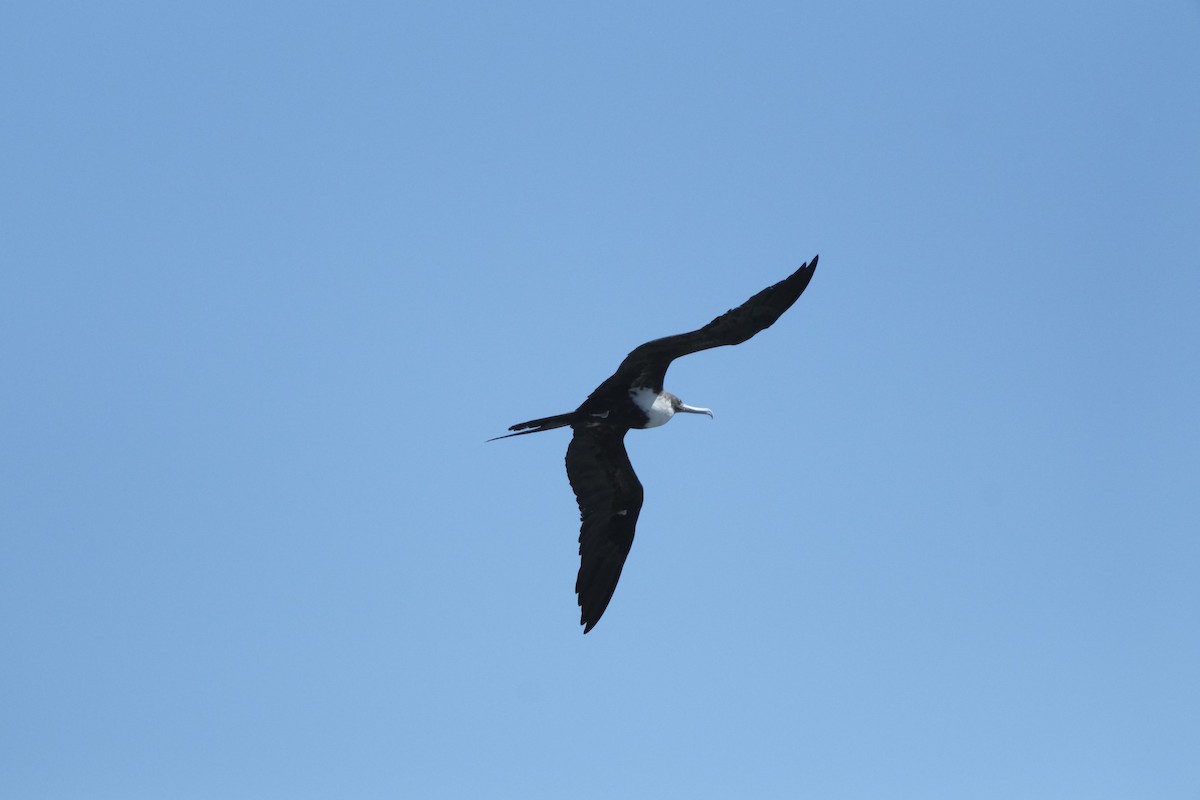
x: 607, y: 489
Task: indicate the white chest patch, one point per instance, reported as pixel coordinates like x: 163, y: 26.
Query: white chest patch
x: 655, y: 405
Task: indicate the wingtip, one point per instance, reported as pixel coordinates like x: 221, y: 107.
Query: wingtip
x: 587, y: 616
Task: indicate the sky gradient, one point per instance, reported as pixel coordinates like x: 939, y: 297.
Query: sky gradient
x: 274, y: 272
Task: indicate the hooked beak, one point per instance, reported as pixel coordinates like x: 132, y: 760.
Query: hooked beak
x: 694, y: 410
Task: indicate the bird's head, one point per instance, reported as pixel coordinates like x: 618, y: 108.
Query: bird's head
x: 679, y: 405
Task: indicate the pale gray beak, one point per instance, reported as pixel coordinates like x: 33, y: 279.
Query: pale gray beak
x: 694, y: 410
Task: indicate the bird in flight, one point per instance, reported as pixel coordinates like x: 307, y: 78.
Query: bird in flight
x: 606, y: 488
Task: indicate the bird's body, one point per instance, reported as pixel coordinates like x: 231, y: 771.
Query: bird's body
x: 606, y: 487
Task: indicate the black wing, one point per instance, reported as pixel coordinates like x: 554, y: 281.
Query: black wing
x: 610, y: 499
x: 647, y: 364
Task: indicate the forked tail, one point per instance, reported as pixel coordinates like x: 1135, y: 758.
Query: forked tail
x: 538, y: 425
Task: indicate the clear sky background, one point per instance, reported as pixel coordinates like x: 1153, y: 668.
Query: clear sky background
x: 273, y: 272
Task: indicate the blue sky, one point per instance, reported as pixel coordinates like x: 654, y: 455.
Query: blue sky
x: 273, y: 272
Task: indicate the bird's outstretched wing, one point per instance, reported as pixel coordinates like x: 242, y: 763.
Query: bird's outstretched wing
x: 610, y: 499
x: 647, y: 364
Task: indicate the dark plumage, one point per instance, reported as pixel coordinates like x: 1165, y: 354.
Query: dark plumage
x: 606, y: 487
